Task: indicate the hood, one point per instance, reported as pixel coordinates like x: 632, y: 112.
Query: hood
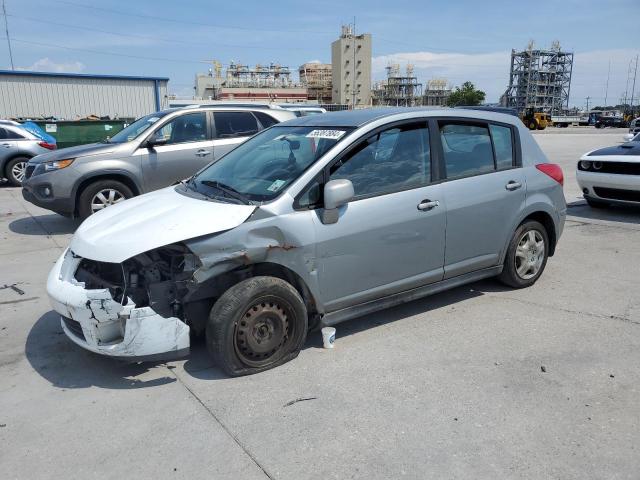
x: 627, y: 149
x: 150, y: 221
x: 75, y: 152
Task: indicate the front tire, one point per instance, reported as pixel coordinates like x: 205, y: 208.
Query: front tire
x: 256, y: 325
x: 526, y: 256
x: 100, y: 195
x: 15, y: 170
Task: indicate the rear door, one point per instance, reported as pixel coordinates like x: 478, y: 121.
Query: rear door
x: 189, y: 147
x: 484, y: 191
x: 231, y: 128
x: 8, y: 143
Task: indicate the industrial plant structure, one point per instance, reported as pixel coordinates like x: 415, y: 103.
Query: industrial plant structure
x: 398, y: 90
x: 240, y: 82
x: 437, y: 92
x: 539, y: 79
x: 351, y: 68
x: 316, y: 77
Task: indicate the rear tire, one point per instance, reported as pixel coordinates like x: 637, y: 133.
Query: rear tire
x: 533, y: 125
x: 256, y: 325
x: 15, y: 170
x: 105, y: 192
x: 526, y: 256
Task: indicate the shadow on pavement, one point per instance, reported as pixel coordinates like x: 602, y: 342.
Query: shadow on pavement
x: 612, y: 213
x: 200, y: 366
x: 53, y: 224
x: 66, y: 365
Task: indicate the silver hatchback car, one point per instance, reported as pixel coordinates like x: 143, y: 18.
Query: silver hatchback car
x: 17, y: 146
x: 311, y: 222
x: 155, y: 151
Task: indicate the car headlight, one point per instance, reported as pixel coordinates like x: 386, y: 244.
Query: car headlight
x: 585, y: 164
x: 58, y: 164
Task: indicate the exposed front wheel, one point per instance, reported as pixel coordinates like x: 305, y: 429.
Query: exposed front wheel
x: 526, y: 256
x: 100, y: 195
x: 256, y: 325
x: 15, y: 170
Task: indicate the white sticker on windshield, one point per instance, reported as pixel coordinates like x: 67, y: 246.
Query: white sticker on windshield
x: 153, y: 119
x: 277, y: 185
x: 330, y: 134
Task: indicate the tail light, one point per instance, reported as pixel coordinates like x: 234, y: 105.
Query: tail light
x: 553, y: 170
x: 47, y: 145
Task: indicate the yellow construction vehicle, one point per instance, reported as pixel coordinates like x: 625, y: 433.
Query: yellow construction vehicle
x: 535, y: 120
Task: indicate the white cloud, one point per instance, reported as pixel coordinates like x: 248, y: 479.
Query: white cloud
x: 490, y: 71
x: 314, y: 61
x: 47, y: 65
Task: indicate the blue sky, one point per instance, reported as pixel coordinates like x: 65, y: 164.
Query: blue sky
x: 459, y: 40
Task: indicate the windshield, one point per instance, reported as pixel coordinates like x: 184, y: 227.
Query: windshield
x: 262, y: 167
x: 136, y: 128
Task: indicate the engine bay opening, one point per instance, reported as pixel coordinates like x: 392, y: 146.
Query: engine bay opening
x: 157, y: 279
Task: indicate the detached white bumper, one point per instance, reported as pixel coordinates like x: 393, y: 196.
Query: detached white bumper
x: 93, y: 320
x: 594, y: 180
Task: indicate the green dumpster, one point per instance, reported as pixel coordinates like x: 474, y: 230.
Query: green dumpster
x: 69, y: 133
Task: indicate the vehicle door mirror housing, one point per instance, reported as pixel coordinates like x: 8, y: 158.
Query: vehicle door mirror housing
x: 336, y: 194
x: 155, y: 140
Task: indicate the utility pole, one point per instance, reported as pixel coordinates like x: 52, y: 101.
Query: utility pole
x: 606, y: 90
x: 633, y: 88
x: 6, y: 29
x: 589, y: 98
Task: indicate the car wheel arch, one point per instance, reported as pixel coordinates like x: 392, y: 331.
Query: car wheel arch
x: 214, y: 287
x: 5, y: 162
x: 541, y: 215
x: 118, y: 176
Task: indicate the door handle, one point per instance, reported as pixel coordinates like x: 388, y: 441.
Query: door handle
x: 7, y: 145
x: 427, y: 204
x: 202, y: 153
x: 513, y: 185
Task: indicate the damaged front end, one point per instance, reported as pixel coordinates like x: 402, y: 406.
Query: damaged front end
x: 132, y: 309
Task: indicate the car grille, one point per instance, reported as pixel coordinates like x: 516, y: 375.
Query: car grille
x: 74, y: 327
x: 29, y: 172
x: 617, y: 194
x: 621, y: 168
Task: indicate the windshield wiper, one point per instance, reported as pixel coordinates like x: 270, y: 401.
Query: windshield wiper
x: 229, y: 191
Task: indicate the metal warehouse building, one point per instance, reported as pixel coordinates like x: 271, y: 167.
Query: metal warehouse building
x: 71, y: 96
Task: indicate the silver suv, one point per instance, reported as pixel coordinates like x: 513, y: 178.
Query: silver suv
x: 311, y: 222
x: 17, y: 146
x: 153, y: 152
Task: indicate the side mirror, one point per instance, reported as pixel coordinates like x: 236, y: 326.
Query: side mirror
x: 336, y: 194
x: 155, y: 140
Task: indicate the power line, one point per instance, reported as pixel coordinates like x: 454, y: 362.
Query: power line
x: 146, y: 37
x: 189, y: 22
x: 6, y: 29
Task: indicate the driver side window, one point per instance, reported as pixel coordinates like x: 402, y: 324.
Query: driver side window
x: 395, y: 159
x: 191, y: 127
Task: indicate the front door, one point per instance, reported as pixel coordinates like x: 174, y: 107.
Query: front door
x: 187, y: 150
x: 390, y: 238
x: 484, y: 193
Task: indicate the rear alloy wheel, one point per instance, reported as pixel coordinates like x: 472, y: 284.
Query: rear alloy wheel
x: 16, y: 170
x: 256, y: 325
x: 100, y: 195
x: 527, y: 255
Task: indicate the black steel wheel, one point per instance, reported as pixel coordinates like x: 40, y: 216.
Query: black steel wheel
x: 256, y: 325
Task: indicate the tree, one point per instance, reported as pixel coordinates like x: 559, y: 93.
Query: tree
x: 465, y: 95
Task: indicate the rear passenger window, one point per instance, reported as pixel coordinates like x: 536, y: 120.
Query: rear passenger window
x: 265, y: 120
x: 392, y: 160
x: 235, y: 124
x: 503, y: 146
x: 467, y: 149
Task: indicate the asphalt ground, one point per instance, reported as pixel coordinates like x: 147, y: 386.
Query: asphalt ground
x: 479, y: 382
